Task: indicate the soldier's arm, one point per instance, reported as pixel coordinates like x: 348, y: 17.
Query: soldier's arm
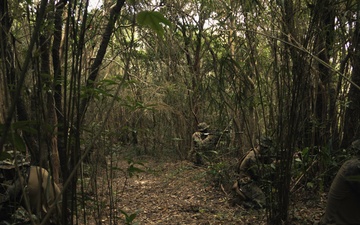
x: 201, y: 142
x: 197, y: 139
x: 210, y: 141
x: 249, y: 166
x: 254, y: 171
x: 253, y: 165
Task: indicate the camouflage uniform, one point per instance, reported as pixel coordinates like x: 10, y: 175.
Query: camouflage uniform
x: 35, y: 182
x: 343, y: 204
x: 247, y: 185
x: 202, y: 143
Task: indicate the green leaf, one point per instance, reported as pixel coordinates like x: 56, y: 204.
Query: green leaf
x: 4, y: 156
x: 131, y: 217
x: 152, y: 20
x: 14, y: 138
x: 310, y: 185
x: 128, y: 218
x: 27, y: 125
x: 133, y: 170
x: 19, y: 143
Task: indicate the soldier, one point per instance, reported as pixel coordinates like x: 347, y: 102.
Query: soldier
x: 247, y: 186
x: 35, y: 182
x: 343, y: 203
x: 202, y: 143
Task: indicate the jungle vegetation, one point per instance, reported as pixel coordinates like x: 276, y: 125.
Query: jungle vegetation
x: 78, y: 81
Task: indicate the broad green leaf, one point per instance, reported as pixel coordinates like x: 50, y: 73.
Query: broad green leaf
x: 131, y: 217
x: 128, y: 218
x: 19, y: 143
x: 132, y: 170
x: 27, y: 125
x: 152, y: 20
x: 4, y: 156
x: 14, y: 137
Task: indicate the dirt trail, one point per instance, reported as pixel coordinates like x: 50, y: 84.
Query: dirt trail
x: 178, y: 193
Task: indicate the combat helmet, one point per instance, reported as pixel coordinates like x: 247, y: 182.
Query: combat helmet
x: 203, y: 126
x: 265, y: 144
x: 265, y: 141
x: 355, y: 146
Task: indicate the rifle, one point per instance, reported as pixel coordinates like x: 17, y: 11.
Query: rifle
x: 217, y: 132
x: 214, y: 136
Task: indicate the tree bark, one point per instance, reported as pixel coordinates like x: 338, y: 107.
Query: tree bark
x: 352, y: 119
x: 324, y: 19
x: 16, y: 96
x: 7, y: 69
x: 95, y: 67
x: 57, y: 85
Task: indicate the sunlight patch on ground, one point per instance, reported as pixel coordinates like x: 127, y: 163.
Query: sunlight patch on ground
x: 143, y: 182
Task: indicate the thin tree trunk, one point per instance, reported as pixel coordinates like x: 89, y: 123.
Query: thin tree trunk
x: 352, y: 119
x: 48, y: 149
x: 19, y: 85
x: 324, y: 18
x: 57, y: 85
x: 7, y: 68
x: 95, y: 67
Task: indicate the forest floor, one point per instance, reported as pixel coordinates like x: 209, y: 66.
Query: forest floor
x: 177, y: 192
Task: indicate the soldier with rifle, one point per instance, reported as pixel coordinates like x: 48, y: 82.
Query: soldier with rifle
x: 203, y: 141
x: 247, y: 187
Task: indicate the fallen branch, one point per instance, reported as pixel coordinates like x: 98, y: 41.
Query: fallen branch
x: 302, y: 176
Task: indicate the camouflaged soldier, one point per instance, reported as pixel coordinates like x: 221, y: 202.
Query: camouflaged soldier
x: 247, y: 187
x: 30, y: 186
x: 202, y: 143
x: 343, y: 203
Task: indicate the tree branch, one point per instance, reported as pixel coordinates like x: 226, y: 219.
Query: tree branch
x: 114, y: 14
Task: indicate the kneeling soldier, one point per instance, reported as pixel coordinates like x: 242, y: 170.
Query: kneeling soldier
x: 202, y: 144
x: 247, y: 187
x: 32, y: 187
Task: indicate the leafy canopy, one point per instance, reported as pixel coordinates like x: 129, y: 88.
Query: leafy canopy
x: 153, y: 21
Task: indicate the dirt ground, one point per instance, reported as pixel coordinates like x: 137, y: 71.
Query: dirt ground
x: 177, y: 193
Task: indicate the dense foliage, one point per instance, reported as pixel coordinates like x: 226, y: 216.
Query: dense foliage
x: 137, y: 76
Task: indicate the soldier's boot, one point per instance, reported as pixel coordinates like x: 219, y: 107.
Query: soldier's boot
x: 237, y: 190
x: 198, y: 160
